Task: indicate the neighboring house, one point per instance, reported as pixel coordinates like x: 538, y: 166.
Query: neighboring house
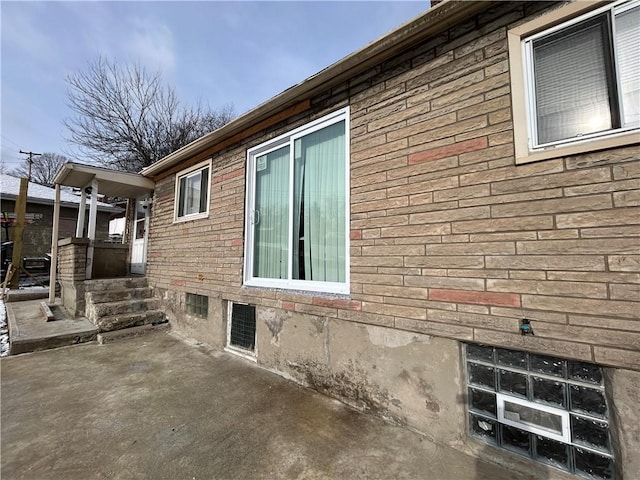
x: 39, y: 220
x: 441, y: 228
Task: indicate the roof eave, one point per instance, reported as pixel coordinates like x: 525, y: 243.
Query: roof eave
x: 110, y: 182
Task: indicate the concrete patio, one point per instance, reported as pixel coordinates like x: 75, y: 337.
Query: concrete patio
x: 158, y: 407
x: 29, y: 331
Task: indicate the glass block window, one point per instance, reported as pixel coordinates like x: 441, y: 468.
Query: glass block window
x: 197, y: 305
x: 546, y: 408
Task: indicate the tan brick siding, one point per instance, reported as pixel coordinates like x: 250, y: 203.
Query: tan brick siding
x: 448, y: 236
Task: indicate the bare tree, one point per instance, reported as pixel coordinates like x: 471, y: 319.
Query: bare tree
x: 43, y: 170
x: 127, y: 119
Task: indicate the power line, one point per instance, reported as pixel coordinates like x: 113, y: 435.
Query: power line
x: 31, y: 154
x: 9, y: 140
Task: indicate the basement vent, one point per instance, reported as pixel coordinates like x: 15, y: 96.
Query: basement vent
x: 242, y: 327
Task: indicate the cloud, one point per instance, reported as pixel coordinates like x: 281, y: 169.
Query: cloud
x: 151, y: 43
x: 23, y: 35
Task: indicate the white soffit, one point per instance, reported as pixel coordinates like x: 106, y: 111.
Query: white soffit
x: 110, y: 182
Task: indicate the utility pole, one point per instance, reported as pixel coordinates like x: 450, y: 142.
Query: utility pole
x: 31, y: 155
x: 21, y: 210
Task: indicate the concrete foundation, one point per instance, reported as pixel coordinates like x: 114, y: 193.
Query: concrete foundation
x: 623, y: 387
x: 410, y: 379
x: 210, y: 331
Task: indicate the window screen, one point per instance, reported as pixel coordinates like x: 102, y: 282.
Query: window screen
x: 572, y: 93
x: 584, y: 76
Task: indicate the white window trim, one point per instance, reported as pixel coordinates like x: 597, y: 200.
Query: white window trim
x: 565, y: 437
x: 521, y: 106
x: 241, y: 352
x: 176, y: 198
x: 274, y: 144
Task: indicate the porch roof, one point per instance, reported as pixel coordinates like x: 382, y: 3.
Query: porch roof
x: 110, y: 182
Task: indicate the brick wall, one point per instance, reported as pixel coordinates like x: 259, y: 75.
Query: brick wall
x: 72, y: 264
x: 72, y: 260
x: 448, y: 236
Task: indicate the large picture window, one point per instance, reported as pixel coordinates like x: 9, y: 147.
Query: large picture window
x: 583, y: 77
x: 297, y: 201
x: 192, y: 192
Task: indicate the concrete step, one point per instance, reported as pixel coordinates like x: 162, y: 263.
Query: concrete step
x: 129, y: 320
x: 108, y: 337
x: 26, y: 345
x: 106, y: 296
x: 33, y: 293
x: 123, y: 283
x: 96, y: 311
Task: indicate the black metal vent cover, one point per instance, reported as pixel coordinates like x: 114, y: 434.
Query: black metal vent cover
x: 243, y: 326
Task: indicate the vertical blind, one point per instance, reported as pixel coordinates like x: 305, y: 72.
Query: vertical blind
x: 271, y: 215
x: 319, y: 206
x: 316, y: 249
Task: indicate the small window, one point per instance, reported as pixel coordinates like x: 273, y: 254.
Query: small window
x: 192, y: 193
x: 297, y: 208
x: 583, y: 77
x: 547, y: 408
x: 241, y: 329
x: 197, y: 305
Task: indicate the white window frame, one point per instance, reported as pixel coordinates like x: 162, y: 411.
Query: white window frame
x: 563, y: 414
x: 274, y: 144
x: 524, y: 120
x: 187, y: 173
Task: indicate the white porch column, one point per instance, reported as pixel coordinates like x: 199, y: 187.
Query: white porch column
x: 54, y: 246
x: 93, y: 210
x: 81, y: 211
x: 93, y: 216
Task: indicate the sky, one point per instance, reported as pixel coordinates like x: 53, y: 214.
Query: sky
x: 235, y: 52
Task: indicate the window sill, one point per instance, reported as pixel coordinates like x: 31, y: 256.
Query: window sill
x: 246, y: 354
x: 312, y: 292
x: 199, y: 216
x: 586, y: 146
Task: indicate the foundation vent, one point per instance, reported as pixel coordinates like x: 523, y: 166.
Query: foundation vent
x: 242, y: 327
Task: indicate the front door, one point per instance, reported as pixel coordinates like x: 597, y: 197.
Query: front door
x: 139, y: 246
